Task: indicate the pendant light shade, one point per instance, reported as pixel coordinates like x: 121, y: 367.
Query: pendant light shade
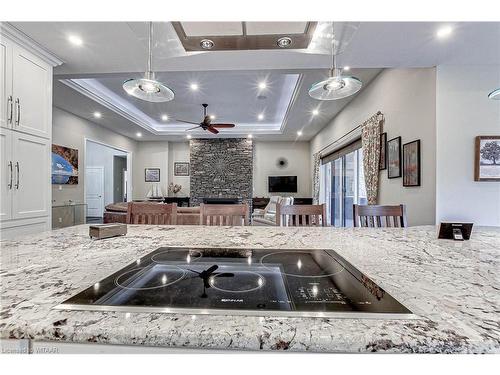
x: 337, y: 86
x: 495, y: 95
x: 148, y: 88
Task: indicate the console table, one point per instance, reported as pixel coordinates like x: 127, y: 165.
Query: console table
x: 181, y: 201
x: 67, y: 215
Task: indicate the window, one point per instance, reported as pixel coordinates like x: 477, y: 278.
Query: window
x: 342, y: 184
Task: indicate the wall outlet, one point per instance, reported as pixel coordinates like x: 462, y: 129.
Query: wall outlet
x: 60, y: 187
x: 60, y: 219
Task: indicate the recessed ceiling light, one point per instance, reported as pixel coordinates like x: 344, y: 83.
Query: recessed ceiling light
x: 97, y: 114
x: 164, y: 117
x: 444, y: 32
x: 315, y: 112
x: 262, y: 85
x: 138, y: 134
x: 189, y: 136
x: 284, y: 42
x: 260, y: 116
x: 299, y: 133
x: 194, y: 86
x: 249, y: 136
x: 75, y: 40
x: 212, y: 117
x: 207, y: 44
x: 347, y: 68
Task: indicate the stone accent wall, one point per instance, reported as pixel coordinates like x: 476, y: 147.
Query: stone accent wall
x: 221, y: 168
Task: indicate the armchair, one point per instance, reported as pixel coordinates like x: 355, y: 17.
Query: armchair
x: 267, y: 216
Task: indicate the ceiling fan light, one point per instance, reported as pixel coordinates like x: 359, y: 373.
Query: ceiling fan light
x: 148, y: 89
x: 335, y: 88
x: 495, y: 94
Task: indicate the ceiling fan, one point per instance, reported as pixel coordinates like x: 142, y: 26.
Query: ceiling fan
x: 206, y: 124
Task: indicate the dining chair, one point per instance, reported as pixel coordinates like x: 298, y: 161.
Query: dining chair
x: 301, y: 215
x: 224, y: 214
x: 151, y: 213
x: 375, y: 216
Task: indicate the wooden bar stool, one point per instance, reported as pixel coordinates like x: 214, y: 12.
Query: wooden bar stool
x: 151, y: 213
x: 301, y: 215
x: 373, y: 216
x: 224, y: 214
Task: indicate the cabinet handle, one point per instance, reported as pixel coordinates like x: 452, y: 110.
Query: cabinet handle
x: 11, y: 172
x: 17, y: 169
x: 18, y: 104
x: 11, y: 105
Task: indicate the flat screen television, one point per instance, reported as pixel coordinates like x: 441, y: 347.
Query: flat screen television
x: 282, y: 184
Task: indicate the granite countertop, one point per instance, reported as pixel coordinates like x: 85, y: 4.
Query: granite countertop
x: 454, y: 287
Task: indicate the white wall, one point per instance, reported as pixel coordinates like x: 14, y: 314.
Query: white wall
x: 178, y: 151
x: 70, y: 131
x: 407, y: 99
x: 464, y: 112
x: 150, y: 155
x: 102, y: 156
x: 266, y: 155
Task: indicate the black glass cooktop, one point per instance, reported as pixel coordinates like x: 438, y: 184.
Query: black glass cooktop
x: 240, y: 281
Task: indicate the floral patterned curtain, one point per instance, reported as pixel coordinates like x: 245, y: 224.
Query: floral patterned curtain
x: 316, y: 164
x: 370, y: 140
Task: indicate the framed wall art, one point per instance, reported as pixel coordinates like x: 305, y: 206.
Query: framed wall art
x: 411, y: 163
x: 487, y: 158
x: 394, y: 158
x: 152, y: 174
x: 181, y: 168
x: 64, y: 165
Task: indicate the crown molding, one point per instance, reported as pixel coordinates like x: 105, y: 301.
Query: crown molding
x: 17, y: 36
x: 108, y: 104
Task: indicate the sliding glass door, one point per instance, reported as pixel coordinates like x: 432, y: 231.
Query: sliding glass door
x: 342, y: 185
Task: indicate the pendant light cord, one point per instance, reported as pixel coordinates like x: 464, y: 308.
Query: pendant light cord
x: 333, y: 71
x: 150, y: 53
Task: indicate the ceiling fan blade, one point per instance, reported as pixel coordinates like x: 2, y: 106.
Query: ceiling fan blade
x: 187, y: 122
x: 196, y: 127
x: 223, y: 125
x: 212, y: 130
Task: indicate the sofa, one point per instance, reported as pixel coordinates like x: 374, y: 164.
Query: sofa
x: 117, y: 213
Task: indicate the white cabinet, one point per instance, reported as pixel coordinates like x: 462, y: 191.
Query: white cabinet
x: 32, y: 94
x: 7, y: 174
x: 26, y: 91
x: 25, y: 139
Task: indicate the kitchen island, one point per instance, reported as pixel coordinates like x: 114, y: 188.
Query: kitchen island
x: 453, y: 288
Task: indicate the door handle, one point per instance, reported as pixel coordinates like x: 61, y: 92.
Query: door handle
x: 11, y: 172
x: 10, y: 103
x: 17, y: 169
x: 18, y: 105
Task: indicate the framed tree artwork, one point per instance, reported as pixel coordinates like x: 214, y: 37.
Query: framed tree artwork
x: 383, y: 152
x: 394, y: 158
x: 411, y: 163
x: 152, y: 174
x: 487, y: 158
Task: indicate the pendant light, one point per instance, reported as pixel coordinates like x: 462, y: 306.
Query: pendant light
x: 495, y: 94
x: 337, y: 86
x: 148, y: 88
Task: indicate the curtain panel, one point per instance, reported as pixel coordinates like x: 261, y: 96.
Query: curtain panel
x: 316, y: 165
x: 370, y: 140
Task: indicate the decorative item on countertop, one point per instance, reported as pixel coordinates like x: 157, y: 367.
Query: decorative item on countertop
x: 100, y: 231
x: 174, y: 189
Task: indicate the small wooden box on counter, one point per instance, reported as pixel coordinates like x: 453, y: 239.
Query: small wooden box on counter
x: 100, y: 231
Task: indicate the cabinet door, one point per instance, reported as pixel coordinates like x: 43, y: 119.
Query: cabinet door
x: 6, y: 100
x: 31, y: 190
x: 32, y: 93
x: 6, y: 174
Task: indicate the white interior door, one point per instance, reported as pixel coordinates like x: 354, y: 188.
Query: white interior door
x: 94, y: 191
x: 7, y: 174
x: 31, y: 93
x: 31, y: 190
